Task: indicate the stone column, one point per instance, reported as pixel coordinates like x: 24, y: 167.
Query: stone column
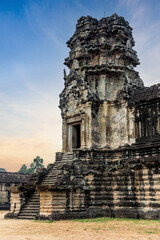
x: 131, y: 126
x: 88, y: 126
x: 64, y: 135
x: 102, y: 120
x: 46, y: 203
x: 83, y: 132
x: 15, y: 202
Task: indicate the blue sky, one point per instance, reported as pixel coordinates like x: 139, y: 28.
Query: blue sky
x: 33, y: 35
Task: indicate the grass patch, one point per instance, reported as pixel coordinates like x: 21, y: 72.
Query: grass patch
x: 150, y: 232
x: 104, y: 219
x: 93, y: 220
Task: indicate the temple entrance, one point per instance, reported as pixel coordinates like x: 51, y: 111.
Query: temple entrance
x: 73, y: 138
x: 76, y: 135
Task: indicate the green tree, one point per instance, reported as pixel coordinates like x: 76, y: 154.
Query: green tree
x: 37, y: 163
x: 2, y: 170
x: 23, y: 169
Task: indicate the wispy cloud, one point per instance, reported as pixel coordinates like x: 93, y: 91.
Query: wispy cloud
x: 42, y: 22
x: 147, y: 36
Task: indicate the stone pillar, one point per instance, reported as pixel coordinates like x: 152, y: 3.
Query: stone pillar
x: 69, y: 137
x: 15, y: 202
x: 102, y: 121
x: 46, y: 202
x: 83, y: 132
x: 64, y: 136
x: 131, y: 126
x: 88, y: 126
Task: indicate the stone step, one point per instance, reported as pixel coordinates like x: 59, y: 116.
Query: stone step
x: 34, y: 202
x: 26, y: 217
x: 51, y: 178
x: 31, y: 207
x: 29, y: 213
x: 51, y: 175
x: 34, y: 198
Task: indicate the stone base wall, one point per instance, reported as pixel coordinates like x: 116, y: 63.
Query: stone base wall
x: 125, y: 188
x: 52, y: 201
x: 124, y: 183
x: 133, y: 213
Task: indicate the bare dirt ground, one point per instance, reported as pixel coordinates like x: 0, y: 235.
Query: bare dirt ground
x: 97, y: 229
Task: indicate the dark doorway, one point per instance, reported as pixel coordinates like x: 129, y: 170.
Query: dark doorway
x: 76, y: 136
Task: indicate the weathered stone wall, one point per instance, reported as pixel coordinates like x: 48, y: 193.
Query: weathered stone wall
x: 95, y: 185
x: 8, y: 180
x: 116, y: 125
x: 116, y: 183
x: 3, y: 196
x: 52, y: 201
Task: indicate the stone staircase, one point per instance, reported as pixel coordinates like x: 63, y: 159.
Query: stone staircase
x: 31, y: 208
x: 51, y: 176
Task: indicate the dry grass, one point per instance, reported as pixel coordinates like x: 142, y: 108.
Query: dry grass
x: 89, y: 229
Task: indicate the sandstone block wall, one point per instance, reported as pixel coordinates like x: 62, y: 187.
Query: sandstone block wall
x: 15, y: 203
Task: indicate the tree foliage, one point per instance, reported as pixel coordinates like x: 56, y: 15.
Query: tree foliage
x: 3, y: 170
x: 23, y: 169
x: 37, y: 163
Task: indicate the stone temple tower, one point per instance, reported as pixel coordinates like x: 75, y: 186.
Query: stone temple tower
x: 101, y: 63
x: 110, y: 159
